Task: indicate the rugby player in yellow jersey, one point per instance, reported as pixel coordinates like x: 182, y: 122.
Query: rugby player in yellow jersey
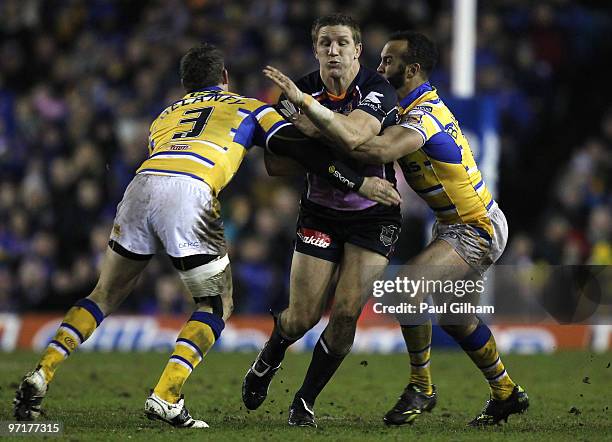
x: 470, y: 233
x: 196, y: 145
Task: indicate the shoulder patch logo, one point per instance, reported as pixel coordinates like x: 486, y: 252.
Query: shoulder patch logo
x: 412, y: 117
x: 372, y: 100
x: 372, y: 97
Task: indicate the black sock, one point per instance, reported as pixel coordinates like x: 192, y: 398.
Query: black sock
x: 321, y: 369
x: 273, y: 352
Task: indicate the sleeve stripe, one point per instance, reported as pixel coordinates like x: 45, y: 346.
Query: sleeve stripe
x: 275, y: 128
x: 259, y: 109
x: 263, y: 112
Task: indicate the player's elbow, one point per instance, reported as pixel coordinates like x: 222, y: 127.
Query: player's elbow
x: 348, y: 142
x: 354, y: 139
x: 378, y: 155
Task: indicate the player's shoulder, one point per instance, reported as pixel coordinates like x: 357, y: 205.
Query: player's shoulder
x: 310, y: 83
x: 377, y: 95
x: 258, y: 109
x: 253, y: 104
x: 436, y: 109
x: 369, y: 79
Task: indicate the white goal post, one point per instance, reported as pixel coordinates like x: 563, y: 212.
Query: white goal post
x: 463, y: 63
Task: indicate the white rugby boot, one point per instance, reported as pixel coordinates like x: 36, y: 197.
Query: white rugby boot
x: 29, y: 396
x: 176, y: 415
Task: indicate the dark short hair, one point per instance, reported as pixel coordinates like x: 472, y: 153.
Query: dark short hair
x: 335, y: 20
x: 202, y: 66
x: 420, y: 49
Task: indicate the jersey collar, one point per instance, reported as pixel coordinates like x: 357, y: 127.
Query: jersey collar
x: 209, y: 88
x: 415, y: 94
x: 350, y: 88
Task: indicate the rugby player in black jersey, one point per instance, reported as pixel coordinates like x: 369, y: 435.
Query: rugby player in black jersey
x: 336, y: 232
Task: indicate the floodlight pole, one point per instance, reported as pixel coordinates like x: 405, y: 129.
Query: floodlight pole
x: 463, y: 63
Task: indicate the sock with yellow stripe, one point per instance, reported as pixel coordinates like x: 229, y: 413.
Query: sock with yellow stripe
x: 418, y: 341
x: 192, y: 344
x: 481, y: 348
x: 78, y: 325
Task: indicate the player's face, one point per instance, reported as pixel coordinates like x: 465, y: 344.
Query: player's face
x: 391, y: 65
x: 336, y: 50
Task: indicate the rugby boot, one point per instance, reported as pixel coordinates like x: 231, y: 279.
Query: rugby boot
x: 496, y: 411
x: 29, y: 396
x: 301, y: 414
x: 256, y: 382
x: 410, y: 405
x: 176, y: 415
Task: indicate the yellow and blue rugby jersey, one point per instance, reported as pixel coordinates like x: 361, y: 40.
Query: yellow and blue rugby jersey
x: 206, y: 134
x: 443, y: 171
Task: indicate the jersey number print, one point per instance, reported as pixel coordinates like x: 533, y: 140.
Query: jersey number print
x: 199, y: 119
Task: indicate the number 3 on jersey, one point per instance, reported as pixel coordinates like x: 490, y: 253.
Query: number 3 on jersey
x: 198, y: 118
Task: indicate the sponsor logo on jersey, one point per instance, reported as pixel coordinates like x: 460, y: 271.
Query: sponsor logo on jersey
x: 314, y: 237
x: 344, y: 180
x: 180, y: 147
x: 388, y: 235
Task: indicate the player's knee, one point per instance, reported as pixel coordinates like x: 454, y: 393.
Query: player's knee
x: 297, y: 323
x: 228, y: 308
x: 210, y: 283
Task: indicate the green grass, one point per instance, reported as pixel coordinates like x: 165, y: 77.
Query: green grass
x: 99, y: 396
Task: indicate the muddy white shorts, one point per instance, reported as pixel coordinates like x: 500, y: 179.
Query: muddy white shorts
x: 179, y: 214
x: 476, y: 250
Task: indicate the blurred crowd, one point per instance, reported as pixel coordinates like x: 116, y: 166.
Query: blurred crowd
x: 80, y: 81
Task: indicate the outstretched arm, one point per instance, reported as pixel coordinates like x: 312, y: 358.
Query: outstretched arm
x: 394, y: 143
x: 346, y: 131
